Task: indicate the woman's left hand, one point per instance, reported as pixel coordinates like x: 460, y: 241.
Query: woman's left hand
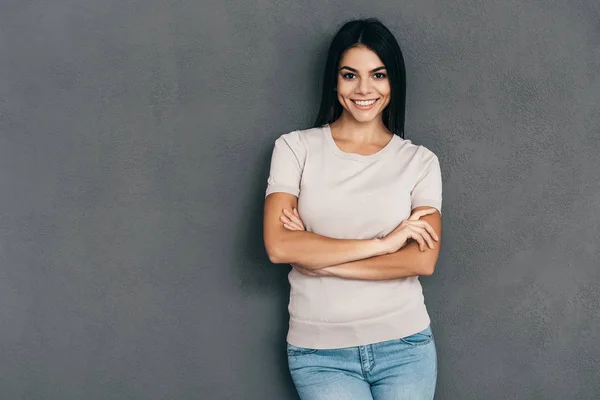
x: 291, y: 220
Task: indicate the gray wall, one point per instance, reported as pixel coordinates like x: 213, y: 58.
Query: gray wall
x: 135, y: 139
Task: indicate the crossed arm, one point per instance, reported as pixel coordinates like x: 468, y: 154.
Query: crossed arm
x: 317, y: 255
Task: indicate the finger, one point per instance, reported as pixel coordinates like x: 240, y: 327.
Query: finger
x: 287, y: 221
x: 419, y: 239
x: 300, y: 222
x: 299, y: 219
x: 415, y: 215
x: 429, y: 228
x: 421, y: 242
x: 290, y: 227
x: 431, y: 231
x: 419, y: 213
x: 293, y: 218
x: 426, y: 236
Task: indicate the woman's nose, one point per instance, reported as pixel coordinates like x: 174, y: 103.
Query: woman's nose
x: 364, y: 86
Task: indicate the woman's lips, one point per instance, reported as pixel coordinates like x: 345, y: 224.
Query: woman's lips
x: 365, y: 104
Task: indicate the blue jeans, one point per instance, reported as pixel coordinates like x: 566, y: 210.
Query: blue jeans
x: 403, y: 368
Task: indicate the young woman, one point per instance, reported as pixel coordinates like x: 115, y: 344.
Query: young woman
x: 356, y: 210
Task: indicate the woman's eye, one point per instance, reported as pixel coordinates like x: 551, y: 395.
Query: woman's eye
x: 378, y: 75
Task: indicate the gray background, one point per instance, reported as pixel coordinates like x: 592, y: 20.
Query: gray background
x: 135, y: 139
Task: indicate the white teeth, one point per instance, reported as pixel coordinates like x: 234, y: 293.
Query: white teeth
x: 364, y: 103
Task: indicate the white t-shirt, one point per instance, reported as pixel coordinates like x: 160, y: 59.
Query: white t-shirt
x: 350, y: 196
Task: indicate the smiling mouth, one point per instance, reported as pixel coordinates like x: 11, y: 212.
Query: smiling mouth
x: 364, y: 103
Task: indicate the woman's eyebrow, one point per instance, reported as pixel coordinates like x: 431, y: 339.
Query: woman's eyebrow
x: 355, y: 70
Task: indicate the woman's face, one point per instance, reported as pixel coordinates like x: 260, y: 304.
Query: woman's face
x: 363, y: 87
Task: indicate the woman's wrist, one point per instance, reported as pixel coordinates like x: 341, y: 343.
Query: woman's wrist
x: 381, y: 247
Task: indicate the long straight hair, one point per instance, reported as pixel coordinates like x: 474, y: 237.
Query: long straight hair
x: 371, y: 33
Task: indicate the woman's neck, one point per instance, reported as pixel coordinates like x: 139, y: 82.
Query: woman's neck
x: 349, y: 129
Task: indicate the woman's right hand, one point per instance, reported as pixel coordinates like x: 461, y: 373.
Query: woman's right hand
x: 412, y: 228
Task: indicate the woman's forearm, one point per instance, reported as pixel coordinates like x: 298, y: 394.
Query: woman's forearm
x: 311, y: 251
x: 408, y: 261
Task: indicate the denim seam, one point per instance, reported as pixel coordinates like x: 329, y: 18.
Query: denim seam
x: 301, y: 352
x: 430, y: 338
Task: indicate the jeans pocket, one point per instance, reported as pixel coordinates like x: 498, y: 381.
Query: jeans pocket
x: 420, y: 338
x: 298, y: 351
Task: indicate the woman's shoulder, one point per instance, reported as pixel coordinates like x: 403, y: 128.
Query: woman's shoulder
x: 304, y: 133
x: 414, y: 150
x: 302, y: 137
x: 426, y: 152
x: 299, y: 141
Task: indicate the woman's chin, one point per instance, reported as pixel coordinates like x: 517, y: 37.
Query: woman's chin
x: 364, y: 117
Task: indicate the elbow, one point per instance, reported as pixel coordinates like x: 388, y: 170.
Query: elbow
x: 428, y: 263
x: 275, y: 254
x: 277, y: 248
x: 427, y: 270
x: 275, y: 258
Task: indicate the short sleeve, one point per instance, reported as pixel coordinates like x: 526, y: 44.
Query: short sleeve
x: 287, y: 163
x: 428, y: 189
